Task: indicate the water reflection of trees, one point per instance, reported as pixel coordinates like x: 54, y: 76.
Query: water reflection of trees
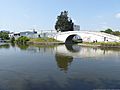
x: 63, y: 62
x: 107, y: 49
x: 64, y: 54
x: 5, y: 46
x: 110, y: 49
x: 12, y: 44
x: 23, y: 46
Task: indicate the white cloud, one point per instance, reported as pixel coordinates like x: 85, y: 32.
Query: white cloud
x: 117, y: 15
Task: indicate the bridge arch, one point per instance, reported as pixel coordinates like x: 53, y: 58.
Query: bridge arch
x: 69, y: 39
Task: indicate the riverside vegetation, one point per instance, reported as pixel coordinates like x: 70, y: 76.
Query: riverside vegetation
x: 37, y: 41
x: 51, y: 41
x: 43, y: 40
x: 103, y: 44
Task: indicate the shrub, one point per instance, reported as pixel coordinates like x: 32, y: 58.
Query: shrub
x: 22, y: 40
x: 12, y: 39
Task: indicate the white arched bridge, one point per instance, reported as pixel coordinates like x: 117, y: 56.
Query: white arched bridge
x: 86, y: 36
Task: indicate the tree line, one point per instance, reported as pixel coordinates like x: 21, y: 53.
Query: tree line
x: 4, y: 35
x: 110, y: 31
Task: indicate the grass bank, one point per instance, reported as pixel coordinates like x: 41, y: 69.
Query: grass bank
x: 44, y: 41
x: 101, y: 44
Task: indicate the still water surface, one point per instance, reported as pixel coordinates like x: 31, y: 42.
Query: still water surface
x: 70, y: 67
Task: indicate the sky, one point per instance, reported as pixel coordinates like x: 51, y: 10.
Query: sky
x: 92, y: 15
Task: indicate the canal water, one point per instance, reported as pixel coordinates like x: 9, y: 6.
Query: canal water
x: 63, y: 67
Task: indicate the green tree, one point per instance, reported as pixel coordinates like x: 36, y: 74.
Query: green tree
x: 4, y: 36
x: 117, y: 33
x: 64, y: 23
x: 109, y: 31
x: 12, y: 40
x: 22, y: 40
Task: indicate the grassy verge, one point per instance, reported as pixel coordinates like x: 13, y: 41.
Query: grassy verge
x: 104, y: 44
x: 43, y: 40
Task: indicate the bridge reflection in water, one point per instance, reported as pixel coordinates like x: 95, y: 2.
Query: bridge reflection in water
x: 77, y: 51
x: 69, y: 67
x: 66, y: 53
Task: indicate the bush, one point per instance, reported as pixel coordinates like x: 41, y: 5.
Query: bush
x: 4, y: 36
x: 12, y: 40
x: 22, y: 40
